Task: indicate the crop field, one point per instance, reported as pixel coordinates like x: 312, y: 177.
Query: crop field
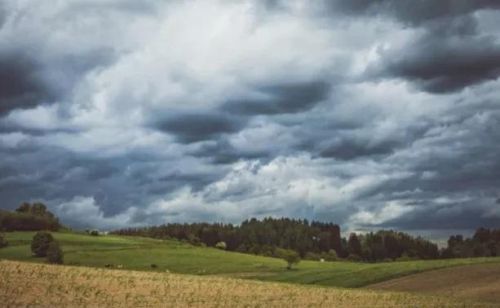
x: 479, y: 282
x: 30, y: 284
x: 135, y: 253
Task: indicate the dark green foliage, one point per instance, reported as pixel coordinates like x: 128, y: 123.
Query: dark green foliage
x: 29, y: 217
x: 94, y: 233
x: 3, y: 241
x: 253, y: 236
x: 354, y: 245
x: 291, y: 257
x: 54, y: 253
x: 40, y: 243
x: 314, y: 241
x: 391, y: 245
x: 484, y: 243
x: 154, y: 266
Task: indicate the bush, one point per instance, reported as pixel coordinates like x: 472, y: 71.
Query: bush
x: 331, y: 255
x: 221, y: 245
x: 3, y: 241
x: 40, y: 243
x: 54, y: 253
x: 154, y: 266
x: 94, y: 233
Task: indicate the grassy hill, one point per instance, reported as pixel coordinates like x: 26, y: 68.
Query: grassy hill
x: 478, y: 281
x: 39, y: 285
x: 136, y: 253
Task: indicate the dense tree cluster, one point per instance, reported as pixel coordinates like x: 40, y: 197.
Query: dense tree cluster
x: 484, y: 243
x: 252, y: 236
x: 29, y: 217
x: 311, y: 240
x: 390, y: 245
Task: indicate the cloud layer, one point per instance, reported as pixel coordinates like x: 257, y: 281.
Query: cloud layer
x: 369, y: 114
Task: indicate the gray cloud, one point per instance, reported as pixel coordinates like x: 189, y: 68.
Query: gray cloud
x: 445, y: 62
x: 21, y: 83
x: 277, y: 99
x: 410, y: 12
x: 370, y: 114
x: 192, y: 127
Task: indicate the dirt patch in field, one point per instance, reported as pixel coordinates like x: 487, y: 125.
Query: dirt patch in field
x: 478, y: 282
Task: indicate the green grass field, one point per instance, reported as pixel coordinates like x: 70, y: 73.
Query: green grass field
x: 176, y: 257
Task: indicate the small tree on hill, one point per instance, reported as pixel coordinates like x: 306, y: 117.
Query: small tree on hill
x: 40, y: 243
x: 3, y: 241
x: 54, y: 253
x: 291, y: 257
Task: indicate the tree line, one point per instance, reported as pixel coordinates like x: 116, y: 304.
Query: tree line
x: 273, y: 236
x: 484, y: 243
x: 311, y: 240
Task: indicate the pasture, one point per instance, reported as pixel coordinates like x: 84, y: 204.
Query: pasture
x: 135, y: 253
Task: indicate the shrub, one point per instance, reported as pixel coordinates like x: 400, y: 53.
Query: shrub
x: 154, y: 265
x: 291, y: 257
x: 3, y: 241
x: 54, y: 253
x: 221, y: 245
x: 94, y: 233
x: 40, y: 243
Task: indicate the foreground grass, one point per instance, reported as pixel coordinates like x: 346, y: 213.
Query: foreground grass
x: 139, y: 253
x: 478, y: 282
x: 28, y: 284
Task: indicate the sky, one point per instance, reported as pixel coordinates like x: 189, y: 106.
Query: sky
x: 370, y: 114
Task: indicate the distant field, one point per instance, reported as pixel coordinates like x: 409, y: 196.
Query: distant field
x: 28, y: 284
x: 139, y: 253
x: 479, y: 282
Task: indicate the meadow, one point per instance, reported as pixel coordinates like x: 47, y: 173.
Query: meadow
x: 135, y: 253
x: 41, y: 285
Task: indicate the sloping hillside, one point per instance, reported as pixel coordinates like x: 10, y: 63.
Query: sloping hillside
x: 27, y: 284
x: 478, y: 282
x: 136, y: 253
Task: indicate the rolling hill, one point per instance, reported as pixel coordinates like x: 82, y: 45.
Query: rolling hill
x: 27, y: 284
x: 135, y: 253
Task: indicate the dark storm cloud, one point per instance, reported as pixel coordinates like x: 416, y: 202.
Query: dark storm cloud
x: 455, y: 184
x: 450, y: 55
x: 21, y: 83
x: 455, y: 216
x: 198, y: 126
x: 408, y: 11
x: 278, y: 99
x: 440, y: 64
x: 350, y: 149
x: 304, y: 115
x: 220, y: 151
